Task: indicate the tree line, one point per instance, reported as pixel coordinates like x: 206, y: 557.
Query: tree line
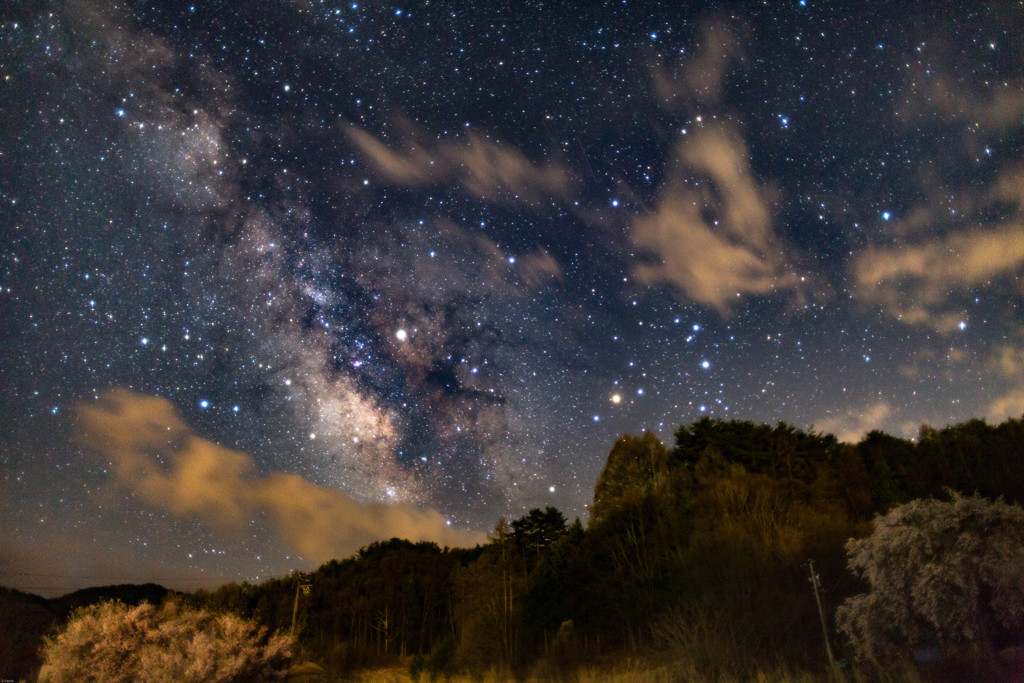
x: 696, y: 552
x: 702, y: 548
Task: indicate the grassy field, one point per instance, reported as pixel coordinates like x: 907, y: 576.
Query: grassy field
x: 635, y: 673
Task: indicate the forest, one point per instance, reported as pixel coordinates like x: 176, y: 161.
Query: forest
x: 697, y: 559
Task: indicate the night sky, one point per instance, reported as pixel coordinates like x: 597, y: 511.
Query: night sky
x: 278, y: 279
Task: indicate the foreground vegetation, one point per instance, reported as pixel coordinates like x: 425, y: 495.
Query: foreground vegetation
x: 695, y: 565
x: 111, y: 641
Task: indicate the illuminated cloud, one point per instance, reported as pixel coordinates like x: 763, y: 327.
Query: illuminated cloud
x: 998, y: 109
x: 919, y: 283
x: 851, y: 426
x: 1010, y: 404
x: 412, y: 168
x: 714, y: 242
x: 158, y: 458
x: 537, y: 268
x: 499, y: 173
x: 914, y: 284
x: 1009, y: 362
x: 1007, y: 366
x: 699, y: 79
x: 482, y: 167
x: 963, y: 237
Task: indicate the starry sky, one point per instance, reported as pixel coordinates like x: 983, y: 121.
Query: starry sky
x: 280, y: 278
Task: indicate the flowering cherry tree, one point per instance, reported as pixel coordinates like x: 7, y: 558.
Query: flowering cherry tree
x: 942, y: 573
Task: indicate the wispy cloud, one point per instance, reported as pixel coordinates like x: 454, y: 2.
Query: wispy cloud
x: 710, y: 234
x: 1010, y: 404
x: 484, y: 168
x: 853, y: 424
x: 700, y: 78
x: 918, y: 283
x: 538, y: 267
x: 409, y: 168
x: 1007, y: 365
x: 159, y: 459
x: 964, y: 237
x: 998, y: 109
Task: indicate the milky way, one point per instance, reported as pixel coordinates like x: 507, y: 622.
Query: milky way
x: 405, y: 269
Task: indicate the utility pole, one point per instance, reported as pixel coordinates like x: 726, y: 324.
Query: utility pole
x: 821, y: 613
x: 303, y: 582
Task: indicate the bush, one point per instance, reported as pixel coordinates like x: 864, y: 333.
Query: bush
x: 440, y: 661
x: 416, y: 666
x: 111, y: 641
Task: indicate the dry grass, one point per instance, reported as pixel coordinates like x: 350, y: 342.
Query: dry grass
x: 393, y: 675
x: 640, y: 670
x: 631, y: 672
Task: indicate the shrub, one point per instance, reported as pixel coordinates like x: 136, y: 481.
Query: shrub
x: 111, y: 641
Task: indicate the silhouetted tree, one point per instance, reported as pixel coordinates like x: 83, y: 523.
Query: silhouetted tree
x: 536, y: 531
x: 635, y: 466
x: 553, y: 587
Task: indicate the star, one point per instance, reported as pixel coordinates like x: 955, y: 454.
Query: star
x: 409, y: 276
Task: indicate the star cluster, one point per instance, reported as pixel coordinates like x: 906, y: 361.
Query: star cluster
x: 424, y: 263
